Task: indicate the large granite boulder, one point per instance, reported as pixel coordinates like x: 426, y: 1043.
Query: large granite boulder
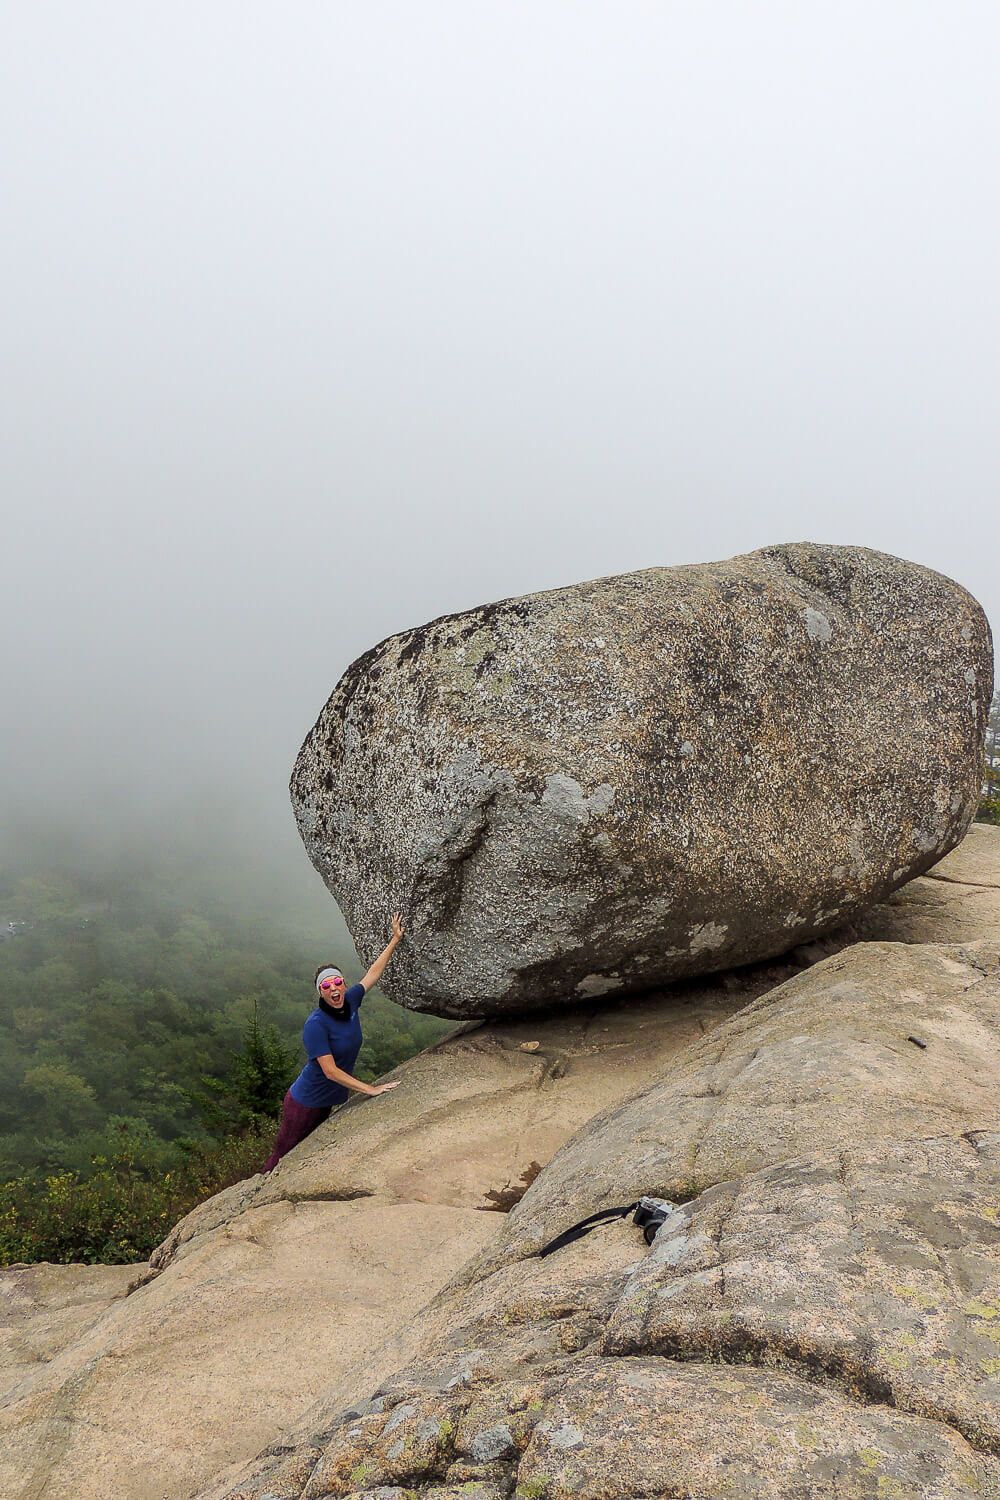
x: 603, y: 788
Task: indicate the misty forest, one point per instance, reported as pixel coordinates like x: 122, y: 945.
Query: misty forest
x: 152, y: 1015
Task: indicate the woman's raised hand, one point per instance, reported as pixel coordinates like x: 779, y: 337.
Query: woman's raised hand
x: 397, y: 925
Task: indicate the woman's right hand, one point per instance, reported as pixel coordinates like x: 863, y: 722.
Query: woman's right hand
x: 383, y: 1088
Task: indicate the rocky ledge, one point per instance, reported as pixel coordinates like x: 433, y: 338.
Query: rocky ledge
x: 818, y: 1314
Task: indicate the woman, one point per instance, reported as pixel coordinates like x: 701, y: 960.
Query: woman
x: 332, y: 1039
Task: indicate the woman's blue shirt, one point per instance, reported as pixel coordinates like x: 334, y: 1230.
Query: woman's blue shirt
x: 323, y: 1035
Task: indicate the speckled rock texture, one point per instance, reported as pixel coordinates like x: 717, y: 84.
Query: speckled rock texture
x: 880, y: 1269
x: 604, y: 788
x: 820, y: 1329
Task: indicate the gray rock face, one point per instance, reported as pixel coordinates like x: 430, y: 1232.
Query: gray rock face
x: 608, y: 787
x: 878, y: 1269
x: 617, y: 1428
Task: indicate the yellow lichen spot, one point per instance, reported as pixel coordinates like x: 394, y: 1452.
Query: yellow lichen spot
x: 982, y: 1307
x: 533, y: 1489
x: 990, y: 1366
x: 890, y: 1488
x: 871, y: 1458
x: 915, y: 1295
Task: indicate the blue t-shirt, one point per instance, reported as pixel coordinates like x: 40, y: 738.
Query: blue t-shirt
x: 322, y: 1036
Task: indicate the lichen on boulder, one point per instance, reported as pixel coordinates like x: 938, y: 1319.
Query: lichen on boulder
x: 608, y: 787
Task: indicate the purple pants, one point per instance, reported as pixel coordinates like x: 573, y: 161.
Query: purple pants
x: 297, y: 1121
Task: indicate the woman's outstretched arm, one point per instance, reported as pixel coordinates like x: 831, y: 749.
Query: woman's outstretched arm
x: 357, y: 1085
x: 375, y: 972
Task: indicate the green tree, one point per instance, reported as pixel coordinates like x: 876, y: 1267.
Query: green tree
x: 34, y: 899
x: 69, y: 1101
x: 989, y: 805
x: 253, y: 1086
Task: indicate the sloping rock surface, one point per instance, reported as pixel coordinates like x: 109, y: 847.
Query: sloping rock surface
x: 278, y: 1304
x: 808, y: 1067
x: 818, y: 1318
x: 880, y: 1269
x: 821, y: 1328
x: 45, y: 1308
x: 298, y: 1289
x: 247, y: 1330
x: 609, y: 787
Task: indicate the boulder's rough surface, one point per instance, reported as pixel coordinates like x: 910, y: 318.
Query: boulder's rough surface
x: 607, y: 787
x: 339, y: 1256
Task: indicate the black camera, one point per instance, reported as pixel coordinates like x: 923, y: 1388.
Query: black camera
x: 650, y: 1214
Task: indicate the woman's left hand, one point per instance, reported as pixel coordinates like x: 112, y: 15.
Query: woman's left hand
x: 397, y: 925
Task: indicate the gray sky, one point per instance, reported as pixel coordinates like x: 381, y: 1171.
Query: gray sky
x: 322, y: 319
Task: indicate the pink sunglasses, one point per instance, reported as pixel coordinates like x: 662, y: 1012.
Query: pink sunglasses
x: 330, y: 984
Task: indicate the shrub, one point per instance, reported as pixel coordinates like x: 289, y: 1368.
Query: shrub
x: 121, y: 1211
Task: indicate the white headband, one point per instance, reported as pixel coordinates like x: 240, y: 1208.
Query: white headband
x: 325, y: 974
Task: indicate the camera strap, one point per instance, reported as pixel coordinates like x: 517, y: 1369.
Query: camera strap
x: 577, y: 1231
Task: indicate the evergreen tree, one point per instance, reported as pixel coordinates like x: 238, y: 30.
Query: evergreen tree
x: 262, y: 1071
x: 989, y: 806
x: 254, y: 1084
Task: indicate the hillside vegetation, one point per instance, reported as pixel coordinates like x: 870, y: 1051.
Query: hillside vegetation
x: 151, y: 1024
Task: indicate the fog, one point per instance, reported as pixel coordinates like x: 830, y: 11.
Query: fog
x: 321, y: 320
